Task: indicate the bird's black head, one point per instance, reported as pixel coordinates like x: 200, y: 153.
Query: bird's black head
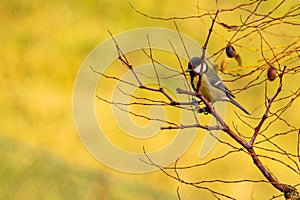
x: 194, y: 66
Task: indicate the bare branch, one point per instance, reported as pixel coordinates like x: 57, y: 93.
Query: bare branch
x: 255, y: 24
x: 265, y: 116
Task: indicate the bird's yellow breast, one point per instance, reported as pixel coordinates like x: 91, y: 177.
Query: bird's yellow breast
x: 210, y: 93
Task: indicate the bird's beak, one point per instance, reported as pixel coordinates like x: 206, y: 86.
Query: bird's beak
x: 188, y: 70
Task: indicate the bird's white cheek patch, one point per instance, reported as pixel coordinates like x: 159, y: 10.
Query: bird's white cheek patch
x: 198, y: 68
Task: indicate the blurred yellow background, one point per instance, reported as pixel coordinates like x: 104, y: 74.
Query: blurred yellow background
x: 43, y: 44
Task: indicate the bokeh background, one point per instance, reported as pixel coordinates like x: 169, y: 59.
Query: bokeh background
x: 43, y: 44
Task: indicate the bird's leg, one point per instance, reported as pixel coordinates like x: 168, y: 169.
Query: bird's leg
x: 196, y: 103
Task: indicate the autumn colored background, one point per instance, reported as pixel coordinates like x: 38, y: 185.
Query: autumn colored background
x: 43, y: 44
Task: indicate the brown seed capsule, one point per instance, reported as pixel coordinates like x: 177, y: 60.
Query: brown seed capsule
x: 224, y: 65
x: 271, y: 73
x: 230, y: 51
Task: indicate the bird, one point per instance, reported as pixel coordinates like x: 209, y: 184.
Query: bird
x: 211, y: 86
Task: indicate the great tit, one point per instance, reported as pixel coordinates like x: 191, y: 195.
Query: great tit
x: 211, y: 86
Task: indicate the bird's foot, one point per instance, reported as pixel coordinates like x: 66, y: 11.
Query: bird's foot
x: 198, y: 108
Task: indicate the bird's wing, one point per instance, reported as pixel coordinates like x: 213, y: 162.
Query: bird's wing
x: 215, y: 80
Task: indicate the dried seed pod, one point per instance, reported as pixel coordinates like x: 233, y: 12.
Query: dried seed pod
x: 271, y: 73
x: 224, y: 65
x: 238, y: 59
x: 230, y: 51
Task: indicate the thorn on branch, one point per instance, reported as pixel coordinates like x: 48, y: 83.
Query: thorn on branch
x: 178, y: 194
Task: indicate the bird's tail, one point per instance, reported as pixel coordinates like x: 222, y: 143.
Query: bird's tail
x: 238, y: 105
